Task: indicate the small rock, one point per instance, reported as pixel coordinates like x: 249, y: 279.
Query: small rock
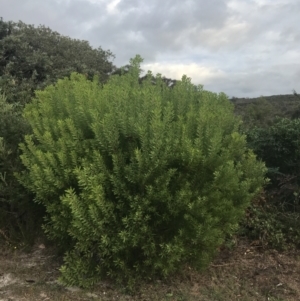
x: 91, y: 295
x: 73, y: 289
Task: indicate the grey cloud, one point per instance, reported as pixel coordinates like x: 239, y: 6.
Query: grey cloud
x: 276, y: 79
x: 162, y: 25
x: 242, y: 38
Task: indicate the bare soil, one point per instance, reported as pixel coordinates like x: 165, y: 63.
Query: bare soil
x: 244, y: 273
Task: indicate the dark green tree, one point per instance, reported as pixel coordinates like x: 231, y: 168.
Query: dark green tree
x: 33, y: 57
x: 125, y: 69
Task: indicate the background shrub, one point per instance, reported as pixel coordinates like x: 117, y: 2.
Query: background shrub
x: 137, y: 179
x: 18, y: 214
x: 276, y: 221
x: 278, y: 145
x: 260, y: 113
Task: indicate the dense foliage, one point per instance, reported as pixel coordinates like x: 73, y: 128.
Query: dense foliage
x: 278, y: 145
x: 259, y: 113
x: 136, y: 178
x: 276, y: 220
x: 17, y: 211
x: 32, y: 58
x: 263, y: 111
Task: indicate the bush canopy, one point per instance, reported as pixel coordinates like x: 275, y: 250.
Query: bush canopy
x: 137, y: 178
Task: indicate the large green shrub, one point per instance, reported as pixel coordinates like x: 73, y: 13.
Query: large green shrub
x: 137, y: 179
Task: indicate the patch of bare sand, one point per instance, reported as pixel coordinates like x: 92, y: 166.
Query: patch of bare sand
x: 245, y: 272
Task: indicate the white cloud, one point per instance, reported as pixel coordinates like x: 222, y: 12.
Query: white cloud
x: 112, y: 6
x: 197, y: 73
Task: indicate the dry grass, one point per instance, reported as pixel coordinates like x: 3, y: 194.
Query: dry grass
x: 244, y: 273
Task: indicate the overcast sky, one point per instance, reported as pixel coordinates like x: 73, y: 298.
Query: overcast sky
x: 245, y: 48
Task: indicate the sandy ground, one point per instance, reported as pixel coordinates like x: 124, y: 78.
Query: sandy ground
x: 243, y: 273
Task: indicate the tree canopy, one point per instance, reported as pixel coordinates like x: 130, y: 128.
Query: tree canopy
x: 33, y: 57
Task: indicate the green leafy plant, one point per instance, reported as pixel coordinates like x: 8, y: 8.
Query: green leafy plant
x: 137, y: 179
